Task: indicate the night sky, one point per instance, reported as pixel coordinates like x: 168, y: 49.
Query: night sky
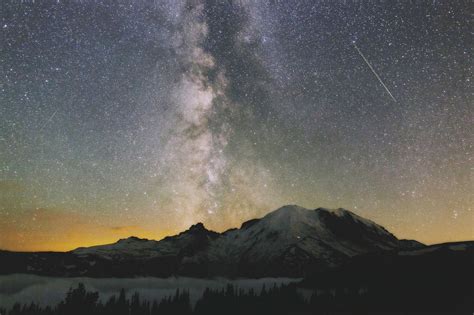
x: 122, y: 118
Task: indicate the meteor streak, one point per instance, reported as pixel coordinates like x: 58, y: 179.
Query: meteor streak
x: 47, y: 121
x: 373, y: 71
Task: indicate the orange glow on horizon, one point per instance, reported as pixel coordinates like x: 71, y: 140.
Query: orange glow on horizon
x: 51, y: 230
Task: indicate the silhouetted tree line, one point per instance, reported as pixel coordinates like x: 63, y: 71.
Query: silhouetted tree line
x: 79, y: 301
x: 283, y: 299
x: 229, y: 300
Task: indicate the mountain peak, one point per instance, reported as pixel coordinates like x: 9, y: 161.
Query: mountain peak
x: 132, y: 239
x: 200, y: 229
x: 288, y: 210
x: 197, y: 227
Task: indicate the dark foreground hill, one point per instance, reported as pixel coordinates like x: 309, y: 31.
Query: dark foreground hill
x: 438, y: 278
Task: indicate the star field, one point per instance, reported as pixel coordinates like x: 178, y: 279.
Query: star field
x: 122, y: 118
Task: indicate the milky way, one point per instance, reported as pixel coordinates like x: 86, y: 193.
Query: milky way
x: 144, y: 117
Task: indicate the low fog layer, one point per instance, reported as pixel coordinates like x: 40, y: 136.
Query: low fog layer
x: 50, y: 291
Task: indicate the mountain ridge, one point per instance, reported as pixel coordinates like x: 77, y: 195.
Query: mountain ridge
x: 289, y: 241
x: 244, y: 225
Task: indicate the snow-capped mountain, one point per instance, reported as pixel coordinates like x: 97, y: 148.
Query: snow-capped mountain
x: 293, y: 240
x: 290, y: 241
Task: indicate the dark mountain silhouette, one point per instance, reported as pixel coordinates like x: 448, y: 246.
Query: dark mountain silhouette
x: 290, y: 241
x: 437, y: 278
